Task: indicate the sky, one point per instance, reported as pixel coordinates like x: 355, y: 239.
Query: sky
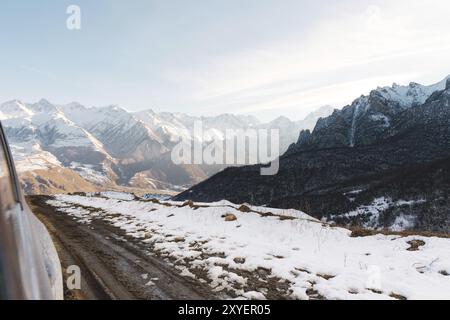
x: 206, y: 57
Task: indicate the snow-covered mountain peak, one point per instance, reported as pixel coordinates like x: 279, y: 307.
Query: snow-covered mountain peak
x: 230, y: 121
x: 12, y: 103
x: 147, y: 111
x: 72, y: 106
x: 90, y: 140
x: 114, y: 108
x: 410, y: 95
x: 90, y: 117
x: 321, y: 111
x: 14, y: 109
x: 281, y: 121
x: 414, y: 84
x: 43, y: 106
x: 250, y: 120
x: 44, y: 101
x: 368, y: 117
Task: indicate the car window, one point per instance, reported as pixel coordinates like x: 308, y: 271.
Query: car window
x: 7, y: 202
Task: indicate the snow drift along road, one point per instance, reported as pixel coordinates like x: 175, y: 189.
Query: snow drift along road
x: 250, y: 252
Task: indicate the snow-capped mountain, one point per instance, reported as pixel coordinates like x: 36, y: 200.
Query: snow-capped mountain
x: 14, y: 109
x: 43, y: 138
x: 170, y: 127
x: 289, y: 130
x: 380, y: 161
x: 175, y: 126
x: 122, y: 135
x: 108, y: 145
x: 412, y: 95
x: 368, y: 117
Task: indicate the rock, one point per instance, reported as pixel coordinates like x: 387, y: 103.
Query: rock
x: 239, y: 260
x: 304, y: 137
x: 148, y: 235
x: 189, y: 203
x: 244, y: 208
x: 230, y: 217
x: 179, y: 239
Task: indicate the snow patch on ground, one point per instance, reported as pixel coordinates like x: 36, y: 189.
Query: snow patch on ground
x: 117, y: 195
x: 372, y: 213
x: 311, y: 259
x: 81, y: 215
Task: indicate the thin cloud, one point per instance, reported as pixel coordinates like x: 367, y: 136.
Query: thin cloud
x: 375, y: 46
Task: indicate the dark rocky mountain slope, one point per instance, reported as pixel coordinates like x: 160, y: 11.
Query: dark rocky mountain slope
x: 382, y: 161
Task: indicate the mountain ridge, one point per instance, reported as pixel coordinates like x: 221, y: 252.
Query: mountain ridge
x: 349, y: 151
x: 109, y: 146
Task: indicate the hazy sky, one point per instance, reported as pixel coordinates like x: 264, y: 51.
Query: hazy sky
x: 261, y: 57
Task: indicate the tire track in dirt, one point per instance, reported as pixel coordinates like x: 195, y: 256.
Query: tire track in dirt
x: 113, y: 266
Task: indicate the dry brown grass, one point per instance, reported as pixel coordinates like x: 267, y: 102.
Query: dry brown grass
x: 415, y: 245
x: 54, y: 181
x: 361, y: 232
x: 397, y: 296
x: 326, y: 276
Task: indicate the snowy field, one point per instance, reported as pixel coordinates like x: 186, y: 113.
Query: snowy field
x: 258, y: 253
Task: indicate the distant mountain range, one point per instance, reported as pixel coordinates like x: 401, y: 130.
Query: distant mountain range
x: 381, y: 162
x: 66, y: 148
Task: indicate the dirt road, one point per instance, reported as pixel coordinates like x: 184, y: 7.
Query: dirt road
x: 113, y: 265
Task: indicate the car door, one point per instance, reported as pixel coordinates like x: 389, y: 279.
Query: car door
x: 29, y: 265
